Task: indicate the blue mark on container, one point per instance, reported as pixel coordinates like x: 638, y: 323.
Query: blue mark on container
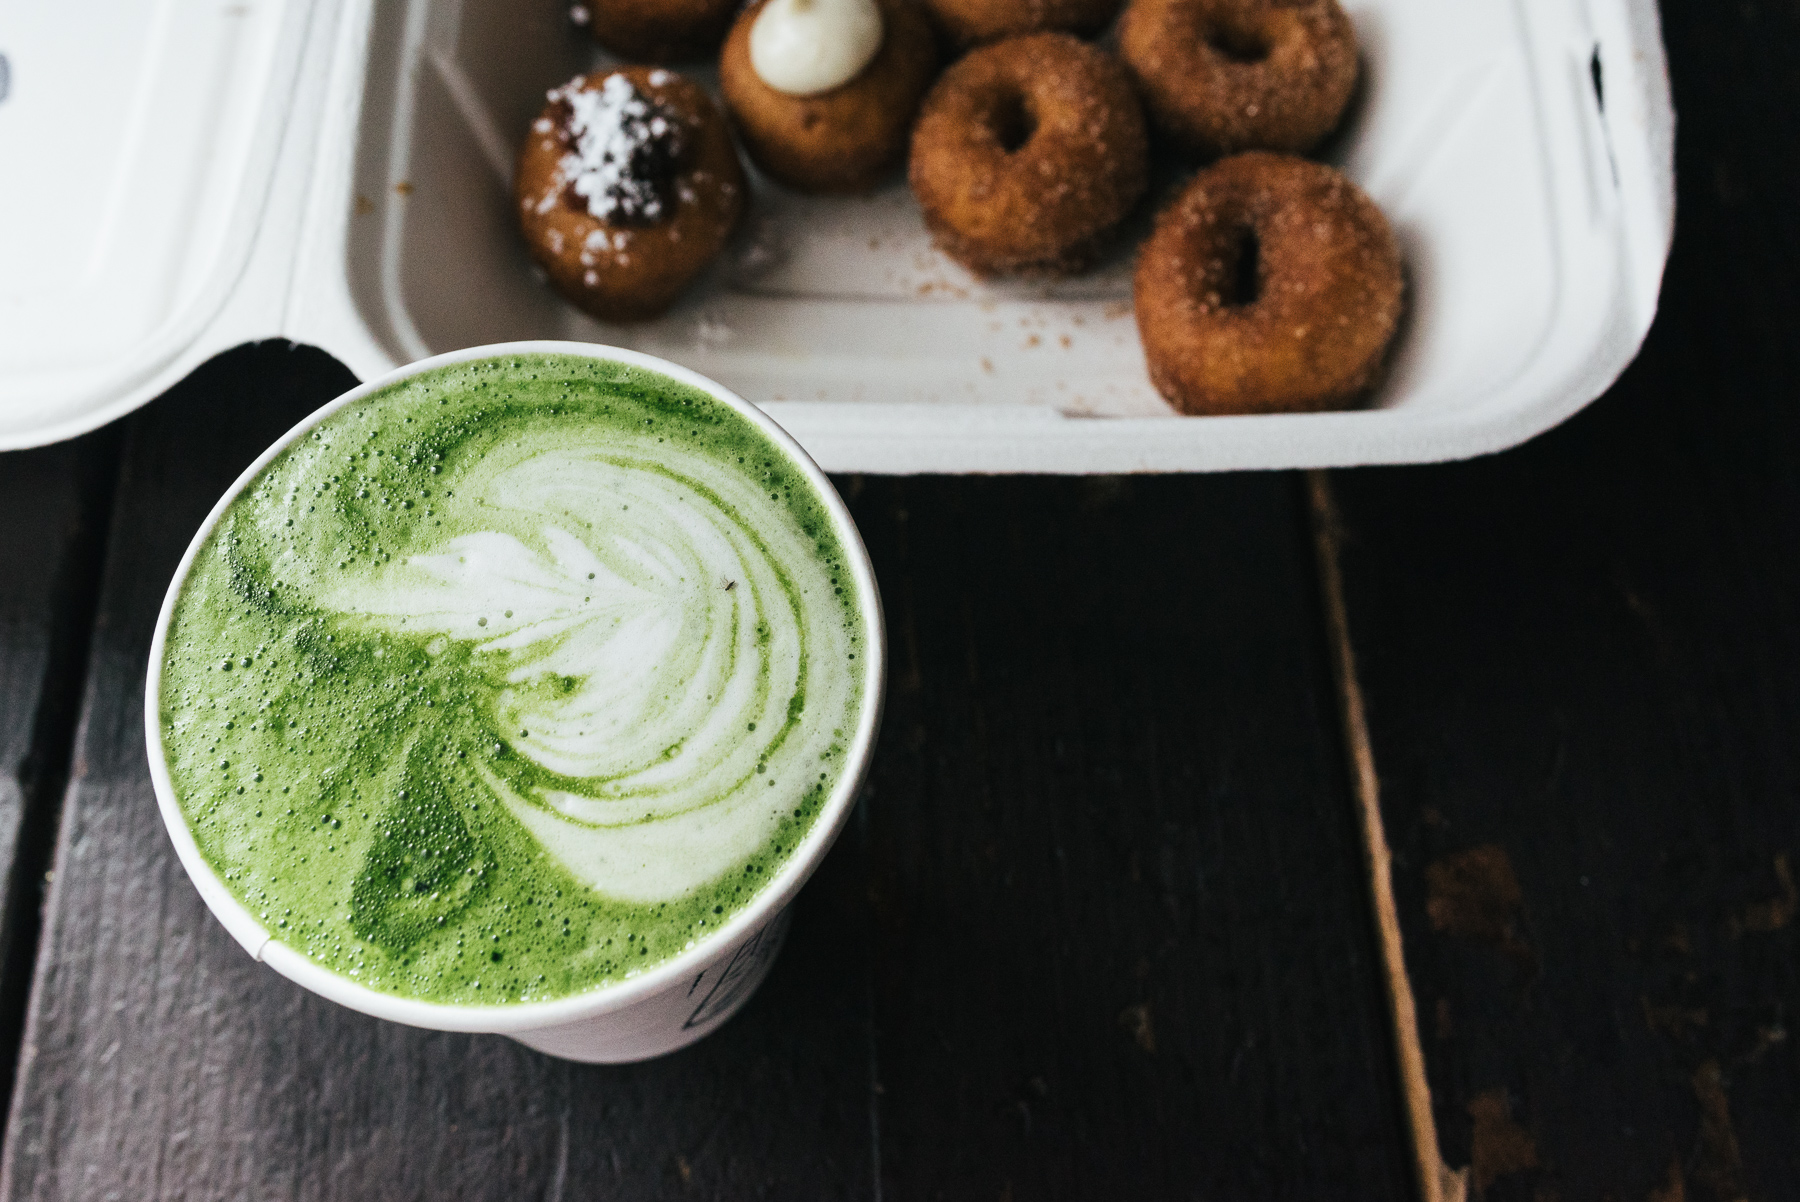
x: 5, y: 78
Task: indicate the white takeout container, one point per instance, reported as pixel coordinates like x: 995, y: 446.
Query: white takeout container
x: 337, y: 172
x: 648, y: 1013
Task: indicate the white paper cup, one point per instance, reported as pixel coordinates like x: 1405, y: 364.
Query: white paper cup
x: 654, y: 1011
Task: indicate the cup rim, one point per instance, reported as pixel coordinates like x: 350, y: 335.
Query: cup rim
x: 262, y: 944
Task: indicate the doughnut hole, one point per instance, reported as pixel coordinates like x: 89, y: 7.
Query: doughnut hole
x: 1242, y: 263
x: 1239, y: 36
x: 1011, y: 120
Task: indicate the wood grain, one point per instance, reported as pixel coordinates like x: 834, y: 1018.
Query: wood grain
x: 1099, y: 926
x: 53, y: 506
x: 161, y: 1062
x: 1124, y: 947
x: 1582, y: 667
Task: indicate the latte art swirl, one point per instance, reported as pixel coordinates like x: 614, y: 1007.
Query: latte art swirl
x: 516, y: 677
x: 649, y: 651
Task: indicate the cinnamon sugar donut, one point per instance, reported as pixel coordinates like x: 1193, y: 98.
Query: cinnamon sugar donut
x: 1027, y: 152
x: 657, y: 31
x: 1228, y: 75
x: 627, y: 187
x: 844, y: 139
x: 967, y: 22
x: 1271, y: 285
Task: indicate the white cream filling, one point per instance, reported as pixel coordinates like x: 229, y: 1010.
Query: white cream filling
x: 804, y: 47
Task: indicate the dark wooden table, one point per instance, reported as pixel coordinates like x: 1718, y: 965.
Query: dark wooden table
x: 1409, y: 832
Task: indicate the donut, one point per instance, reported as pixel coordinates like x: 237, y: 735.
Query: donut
x: 1270, y: 285
x: 627, y: 187
x: 1027, y: 152
x: 846, y: 138
x: 967, y: 22
x: 657, y: 31
x: 1220, y: 76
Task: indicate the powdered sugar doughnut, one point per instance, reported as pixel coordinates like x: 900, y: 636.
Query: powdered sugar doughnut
x: 627, y: 187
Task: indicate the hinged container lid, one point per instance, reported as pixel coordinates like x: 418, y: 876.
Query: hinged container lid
x: 140, y: 141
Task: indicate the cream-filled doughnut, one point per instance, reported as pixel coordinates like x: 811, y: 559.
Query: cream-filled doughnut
x: 827, y: 103
x: 804, y: 47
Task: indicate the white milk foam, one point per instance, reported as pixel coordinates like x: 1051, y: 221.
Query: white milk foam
x: 648, y: 618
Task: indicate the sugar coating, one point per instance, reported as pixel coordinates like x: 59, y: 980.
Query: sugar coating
x: 1327, y: 291
x: 623, y: 149
x: 1222, y: 76
x: 1079, y: 164
x: 512, y: 679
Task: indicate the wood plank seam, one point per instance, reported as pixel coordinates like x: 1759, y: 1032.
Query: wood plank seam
x: 42, y: 778
x: 1437, y: 1181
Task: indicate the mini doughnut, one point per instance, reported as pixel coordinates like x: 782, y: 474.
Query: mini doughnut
x: 1028, y: 151
x: 1271, y: 285
x: 967, y: 22
x: 627, y: 187
x: 657, y: 31
x: 844, y: 139
x: 1227, y: 75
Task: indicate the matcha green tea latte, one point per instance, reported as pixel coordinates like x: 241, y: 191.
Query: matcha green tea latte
x: 517, y: 677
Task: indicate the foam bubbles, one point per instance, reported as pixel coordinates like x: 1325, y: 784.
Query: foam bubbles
x: 586, y: 694
x: 642, y: 617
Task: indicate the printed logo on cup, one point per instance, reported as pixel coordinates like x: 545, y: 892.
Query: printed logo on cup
x: 739, y: 976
